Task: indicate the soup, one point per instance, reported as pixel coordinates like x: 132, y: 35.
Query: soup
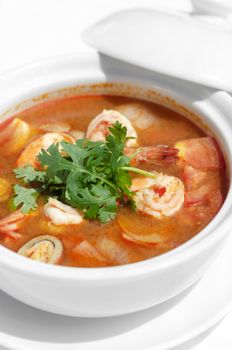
x: 99, y: 180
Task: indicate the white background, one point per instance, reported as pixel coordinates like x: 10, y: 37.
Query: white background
x: 34, y: 29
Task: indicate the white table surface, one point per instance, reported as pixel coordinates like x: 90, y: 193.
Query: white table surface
x: 33, y: 29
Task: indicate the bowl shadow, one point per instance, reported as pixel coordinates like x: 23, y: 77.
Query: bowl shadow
x: 20, y: 320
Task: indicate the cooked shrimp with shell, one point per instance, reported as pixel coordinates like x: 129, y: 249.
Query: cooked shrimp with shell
x: 98, y: 128
x: 158, y: 197
x: 104, y: 180
x: 32, y: 150
x: 61, y: 214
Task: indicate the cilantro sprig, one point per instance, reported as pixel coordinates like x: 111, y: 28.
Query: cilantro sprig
x: 26, y: 197
x: 91, y: 176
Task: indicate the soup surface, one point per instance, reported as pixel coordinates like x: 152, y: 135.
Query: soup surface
x: 186, y: 191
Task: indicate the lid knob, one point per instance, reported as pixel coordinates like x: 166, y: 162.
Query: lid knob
x: 219, y: 8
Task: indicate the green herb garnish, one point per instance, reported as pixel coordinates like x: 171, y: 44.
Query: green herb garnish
x: 25, y: 197
x: 91, y: 176
x: 29, y: 174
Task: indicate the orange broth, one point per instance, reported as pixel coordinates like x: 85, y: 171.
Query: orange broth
x: 167, y: 128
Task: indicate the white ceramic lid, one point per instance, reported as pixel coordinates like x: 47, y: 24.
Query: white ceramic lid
x: 222, y: 8
x: 174, y: 44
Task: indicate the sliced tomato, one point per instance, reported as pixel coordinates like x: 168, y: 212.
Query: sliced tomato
x: 201, y: 153
x: 201, y: 187
x: 194, y: 177
x: 208, y: 211
x: 216, y: 200
x: 197, y: 196
x: 205, y: 195
x: 159, y: 190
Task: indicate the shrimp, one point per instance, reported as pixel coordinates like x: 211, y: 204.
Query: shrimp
x: 159, y: 197
x: 61, y: 214
x: 11, y: 224
x: 30, y: 153
x: 152, y: 154
x: 98, y: 128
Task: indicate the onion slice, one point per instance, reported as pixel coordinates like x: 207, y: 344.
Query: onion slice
x: 115, y: 252
x: 140, y: 230
x: 145, y: 240
x: 87, y: 250
x: 77, y: 134
x: 46, y: 248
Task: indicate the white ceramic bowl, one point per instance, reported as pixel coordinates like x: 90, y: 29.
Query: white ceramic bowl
x: 96, y: 292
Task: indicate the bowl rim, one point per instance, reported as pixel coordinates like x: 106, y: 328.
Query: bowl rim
x: 202, y: 241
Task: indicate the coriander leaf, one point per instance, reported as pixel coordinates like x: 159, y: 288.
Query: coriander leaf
x: 116, y: 140
x: 77, y: 152
x: 53, y: 160
x: 26, y: 197
x: 108, y: 211
x: 98, y: 200
x: 92, y: 212
x: 116, y: 144
x: 118, y: 133
x: 29, y: 174
x: 83, y: 197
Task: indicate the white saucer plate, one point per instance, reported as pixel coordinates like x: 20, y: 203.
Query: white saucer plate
x: 159, y: 328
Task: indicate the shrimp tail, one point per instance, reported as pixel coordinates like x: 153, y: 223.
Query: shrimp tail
x: 153, y: 155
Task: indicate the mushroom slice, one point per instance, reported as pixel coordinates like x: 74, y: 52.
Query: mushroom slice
x: 47, y: 249
x: 77, y: 134
x: 138, y: 114
x: 56, y: 127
